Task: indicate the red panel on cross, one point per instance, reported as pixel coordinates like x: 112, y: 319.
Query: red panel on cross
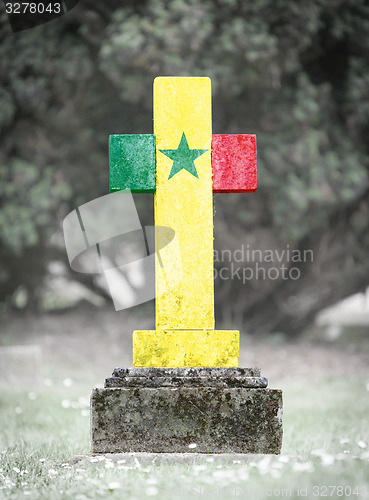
x: 233, y: 159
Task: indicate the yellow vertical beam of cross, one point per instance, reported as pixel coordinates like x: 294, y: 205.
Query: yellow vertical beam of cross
x: 185, y: 334
x: 184, y: 202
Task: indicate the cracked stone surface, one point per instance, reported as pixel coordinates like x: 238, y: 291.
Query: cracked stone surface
x: 254, y: 382
x: 187, y: 372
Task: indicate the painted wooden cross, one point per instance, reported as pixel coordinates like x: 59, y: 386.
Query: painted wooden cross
x: 183, y: 164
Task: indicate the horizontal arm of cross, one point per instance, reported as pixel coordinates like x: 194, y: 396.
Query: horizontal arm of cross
x: 132, y: 162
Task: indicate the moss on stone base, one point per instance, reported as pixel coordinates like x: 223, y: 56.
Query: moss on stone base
x: 218, y: 420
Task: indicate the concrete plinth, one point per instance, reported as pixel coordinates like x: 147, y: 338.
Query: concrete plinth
x: 165, y: 410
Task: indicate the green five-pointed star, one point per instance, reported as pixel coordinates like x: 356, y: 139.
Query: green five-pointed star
x: 183, y: 157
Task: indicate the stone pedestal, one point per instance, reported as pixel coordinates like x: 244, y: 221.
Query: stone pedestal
x: 165, y: 410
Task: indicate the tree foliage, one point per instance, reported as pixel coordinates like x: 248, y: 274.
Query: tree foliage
x: 294, y: 73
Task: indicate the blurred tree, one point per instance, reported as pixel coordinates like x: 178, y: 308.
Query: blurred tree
x: 296, y: 74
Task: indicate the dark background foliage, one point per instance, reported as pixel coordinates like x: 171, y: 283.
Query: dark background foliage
x: 294, y: 73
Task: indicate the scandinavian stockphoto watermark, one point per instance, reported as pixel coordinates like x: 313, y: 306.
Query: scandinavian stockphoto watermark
x: 104, y: 237
x: 246, y: 263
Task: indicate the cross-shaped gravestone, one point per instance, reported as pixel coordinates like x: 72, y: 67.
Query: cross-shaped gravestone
x: 183, y: 164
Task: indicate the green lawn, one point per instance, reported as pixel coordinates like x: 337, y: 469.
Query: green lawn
x: 325, y: 451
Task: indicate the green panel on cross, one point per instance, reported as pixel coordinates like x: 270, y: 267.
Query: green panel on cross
x: 132, y: 163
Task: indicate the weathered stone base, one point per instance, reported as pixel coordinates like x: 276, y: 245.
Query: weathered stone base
x: 217, y: 417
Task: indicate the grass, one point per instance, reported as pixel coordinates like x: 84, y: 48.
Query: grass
x: 325, y: 451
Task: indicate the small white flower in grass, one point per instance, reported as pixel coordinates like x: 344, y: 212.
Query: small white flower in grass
x: 243, y: 474
x: 42, y: 460
x: 276, y: 474
x: 340, y: 456
x: 361, y: 444
x: 67, y: 382
x: 65, y: 403
x: 83, y: 401
x: 210, y: 459
x: 32, y: 396
x: 85, y: 413
x: 18, y: 410
x: 192, y: 446
x: 327, y: 460
x: 199, y: 467
x: 284, y: 459
x: 15, y: 469
x: 152, y: 491
x: 24, y: 483
x: 264, y: 464
x: 277, y: 465
x: 318, y: 453
x: 52, y: 472
x: 152, y: 480
x: 121, y: 461
x: 94, y: 459
x: 218, y: 473
x: 303, y: 467
x: 26, y: 492
x: 344, y: 440
x: 225, y: 474
x: 114, y: 485
x: 109, y: 465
